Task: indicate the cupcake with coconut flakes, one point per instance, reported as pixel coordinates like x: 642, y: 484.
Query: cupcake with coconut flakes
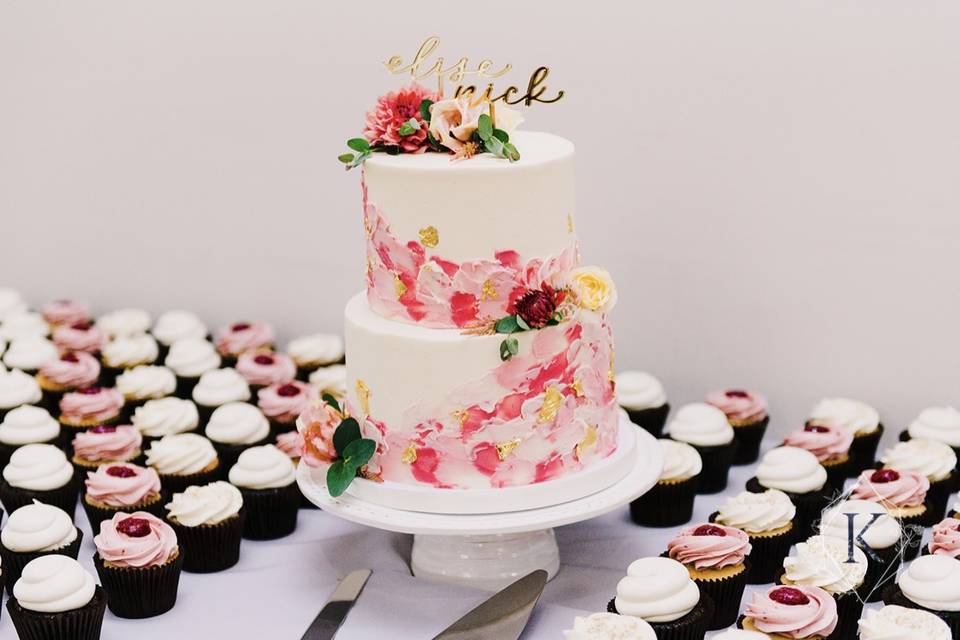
x: 189, y: 359
x: 166, y: 416
x: 799, y: 474
x: 70, y: 372
x: 121, y: 487
x: 706, y: 429
x: 26, y: 425
x: 332, y: 380
x: 182, y: 460
x: 263, y: 368
x: 105, y: 444
x: 314, y: 351
x: 670, y: 501
x: 857, y: 418
x: 900, y: 622
x: 177, y: 325
x: 65, y: 312
x: 208, y: 521
x: 235, y: 427
x: 17, y: 389
x: 268, y: 481
x: 609, y: 626
x: 35, y: 530
x: 144, y: 383
x: 39, y: 472
x: 283, y: 403
x: 933, y: 459
x: 767, y: 518
x: 831, y: 446
x: 642, y: 396
x: 80, y: 336
x: 240, y: 337
x: 124, y: 322
x: 217, y: 388
x: 127, y: 352
x: 748, y: 414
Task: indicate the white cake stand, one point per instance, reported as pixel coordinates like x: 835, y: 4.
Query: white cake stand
x: 491, y: 550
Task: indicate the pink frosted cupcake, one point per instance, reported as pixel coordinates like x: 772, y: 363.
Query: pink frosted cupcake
x: 65, y: 312
x: 80, y: 336
x: 69, y: 372
x: 831, y: 446
x: 235, y: 339
x: 796, y: 612
x: 263, y: 367
x: 282, y: 403
x: 902, y: 493
x: 121, y: 487
x: 104, y: 444
x: 946, y: 538
x: 748, y: 415
x: 86, y: 408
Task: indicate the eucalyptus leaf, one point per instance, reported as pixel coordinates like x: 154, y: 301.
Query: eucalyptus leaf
x: 494, y: 146
x: 330, y: 400
x: 359, y: 452
x: 484, y: 127
x: 347, y: 432
x: 522, y: 324
x: 501, y: 135
x: 359, y: 160
x: 425, y: 105
x: 507, y: 324
x: 339, y: 477
x: 358, y: 144
x: 434, y: 143
x: 509, y: 348
x: 511, y: 152
x: 345, y: 158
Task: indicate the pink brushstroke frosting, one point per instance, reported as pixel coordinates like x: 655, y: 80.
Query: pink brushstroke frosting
x: 709, y: 546
x: 137, y: 540
x: 827, y: 443
x: 284, y: 402
x: 72, y: 370
x: 121, y: 484
x: 91, y: 404
x: 742, y: 407
x: 404, y: 283
x: 234, y: 339
x: 892, y: 488
x: 79, y: 336
x: 60, y: 312
x: 291, y: 443
x: 108, y: 444
x: 794, y: 612
x: 265, y: 367
x: 946, y: 538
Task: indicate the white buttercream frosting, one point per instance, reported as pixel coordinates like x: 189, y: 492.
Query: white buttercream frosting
x: 129, y: 351
x: 937, y: 423
x: 17, y: 388
x: 318, y: 348
x: 757, y: 512
x: 38, y: 527
x: 791, y: 469
x: 680, y: 460
x: 23, y: 325
x: 639, y: 390
x: 54, y: 584
x: 192, y: 357
x: 165, y: 416
x: 176, y: 325
x: 700, y: 424
x: 930, y: 458
x: 852, y: 415
x: 207, y: 504
x: 741, y: 634
x: 893, y: 622
x: 30, y: 353
x: 883, y: 533
x: 932, y: 582
x: 263, y: 467
x: 146, y: 382
x: 823, y: 562
x: 332, y: 380
x: 656, y: 590
x: 28, y: 424
x: 220, y: 386
x: 124, y: 322
x: 38, y: 467
x: 609, y: 626
x: 238, y: 423
x: 181, y: 454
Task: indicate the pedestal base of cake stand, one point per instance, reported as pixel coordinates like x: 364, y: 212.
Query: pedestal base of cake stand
x: 491, y: 550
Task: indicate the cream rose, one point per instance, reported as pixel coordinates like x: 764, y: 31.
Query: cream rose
x: 594, y: 288
x: 453, y: 121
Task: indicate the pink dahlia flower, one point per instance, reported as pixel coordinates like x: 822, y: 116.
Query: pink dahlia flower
x: 392, y: 111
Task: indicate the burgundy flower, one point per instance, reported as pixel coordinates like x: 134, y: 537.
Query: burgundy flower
x: 537, y: 306
x: 392, y: 111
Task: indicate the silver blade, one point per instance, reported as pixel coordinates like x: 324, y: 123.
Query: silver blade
x: 325, y: 625
x: 503, y: 616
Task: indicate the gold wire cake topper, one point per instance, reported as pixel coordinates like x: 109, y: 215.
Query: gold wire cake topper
x: 420, y: 68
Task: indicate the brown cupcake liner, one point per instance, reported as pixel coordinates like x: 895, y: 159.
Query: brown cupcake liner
x: 838, y: 470
x: 13, y: 562
x: 97, y: 513
x: 64, y: 497
x: 882, y: 567
x: 76, y: 624
x: 6, y: 450
x: 716, y: 466
x: 210, y: 547
x: 185, y: 387
x: 305, y: 369
x: 863, y: 451
x: 229, y: 453
x: 271, y: 513
x: 809, y: 506
x: 766, y: 554
x: 692, y: 626
x: 650, y: 420
x: 937, y: 498
x: 277, y: 427
x: 666, y: 504
x: 726, y: 594
x: 894, y: 595
x: 140, y: 592
x: 173, y: 483
x: 748, y: 437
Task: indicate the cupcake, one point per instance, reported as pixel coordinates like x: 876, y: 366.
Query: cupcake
x: 706, y: 429
x: 218, y: 387
x: 16, y: 389
x: 65, y: 312
x: 183, y: 459
x: 609, y: 626
x: 23, y: 325
x: 144, y: 383
x: 29, y: 354
x: 103, y: 444
x: 237, y: 338
x: 893, y: 621
x: 56, y: 599
x: 86, y: 408
x: 208, y: 521
x: 767, y: 518
x: 26, y: 425
x: 661, y: 592
x: 740, y: 634
x: 164, y: 417
x: 670, y: 502
x: 39, y: 472
x: 189, y: 359
x: 932, y: 584
x: 282, y: 403
x: 173, y: 326
x: 268, y: 481
x: 70, y: 372
x: 829, y: 564
x: 127, y: 352
x: 935, y: 460
x: 79, y: 336
x: 876, y: 532
x: 332, y: 380
x: 311, y: 352
x: 35, y: 530
x: 123, y: 323
x: 121, y: 487
x: 716, y: 558
x: 831, y: 446
x: 936, y: 423
x: 945, y: 538
x: 797, y: 473
x: 291, y: 444
x: 235, y: 427
x: 902, y: 493
x: 11, y: 302
x: 748, y: 414
x: 262, y: 368
x: 856, y: 417
x: 642, y: 396
x: 138, y: 560
x: 798, y: 613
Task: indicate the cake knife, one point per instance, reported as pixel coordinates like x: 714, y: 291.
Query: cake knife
x: 325, y: 625
x: 503, y: 616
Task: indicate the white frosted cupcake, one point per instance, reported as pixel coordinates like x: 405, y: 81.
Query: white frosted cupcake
x: 218, y: 387
x: 936, y: 423
x: 933, y: 459
x: 35, y: 530
x: 799, y: 474
x: 208, y: 520
x: 894, y: 621
x: 16, y: 389
x: 124, y: 322
x: 27, y: 424
x: 57, y: 598
x: 609, y: 626
x: 856, y: 417
x: 707, y: 430
x: 145, y: 382
x: 39, y: 472
x: 314, y: 351
x: 189, y: 359
x: 235, y: 427
x: 332, y: 380
x: 11, y: 302
x: 173, y: 326
x: 268, y: 481
x: 166, y: 416
x: 183, y: 459
x: 768, y: 519
x: 23, y: 325
x: 931, y: 584
x: 29, y: 354
x: 127, y: 352
x: 670, y: 502
x: 642, y: 396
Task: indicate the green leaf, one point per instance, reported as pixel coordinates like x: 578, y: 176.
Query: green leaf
x: 409, y: 127
x: 345, y: 158
x: 339, y: 477
x: 511, y: 151
x: 359, y: 452
x: 494, y: 146
x: 359, y: 160
x: 434, y: 143
x: 522, y: 324
x: 425, y: 105
x: 358, y: 144
x: 347, y: 432
x: 392, y: 150
x: 509, y: 348
x: 501, y: 135
x: 507, y: 324
x: 484, y: 127
x: 330, y: 400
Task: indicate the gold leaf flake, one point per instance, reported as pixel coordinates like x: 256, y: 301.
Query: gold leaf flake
x: 409, y: 455
x: 367, y: 227
x: 488, y: 291
x: 460, y: 415
x: 399, y: 286
x: 577, y: 388
x: 429, y: 237
x: 369, y: 271
x: 504, y: 449
x: 552, y: 400
x: 611, y: 372
x: 589, y: 439
x: 363, y: 396
x: 569, y: 223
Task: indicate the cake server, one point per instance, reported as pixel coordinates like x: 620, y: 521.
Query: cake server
x: 325, y: 625
x: 503, y: 616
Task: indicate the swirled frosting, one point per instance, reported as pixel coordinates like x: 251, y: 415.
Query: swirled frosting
x: 701, y: 425
x: 136, y: 539
x: 23, y: 325
x: 60, y: 312
x: 181, y: 454
x: 178, y: 325
x: 238, y: 423
x: 609, y: 626
x: 266, y: 367
x: 791, y: 469
x: 17, y: 388
x: 680, y: 460
x: 656, y: 590
x: 285, y: 401
x: 825, y: 442
x: 98, y: 404
x: 883, y: 531
x: 38, y: 527
x: 932, y: 582
x: 263, y: 467
x: 740, y: 407
x: 146, y: 382
x: 108, y: 444
x: 238, y: 337
x: 782, y: 611
x: 29, y: 354
x: 207, y: 504
x: 946, y: 538
x: 709, y: 546
x: 72, y: 370
x: 892, y: 488
x: 852, y: 415
x: 937, y: 423
x: 757, y: 512
x: 639, y: 390
x: 122, y: 484
x: 936, y: 460
x: 54, y: 584
x: 158, y: 418
x: 124, y: 322
x: 823, y: 562
x: 291, y: 443
x: 79, y: 336
x: 11, y: 302
x: 124, y: 352
x: 220, y: 386
x: 28, y: 424
x: 192, y: 357
x: 893, y: 622
x: 332, y: 380
x: 38, y: 467
x: 316, y: 349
